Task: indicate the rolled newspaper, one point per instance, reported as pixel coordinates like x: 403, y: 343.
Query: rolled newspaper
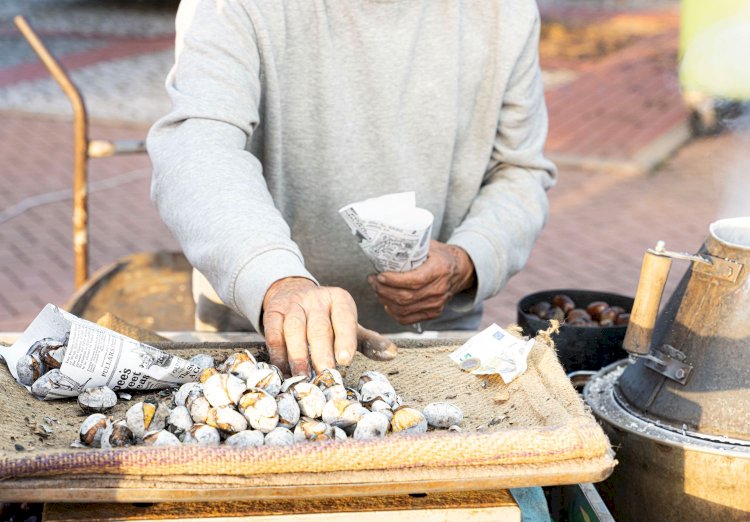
x: 393, y: 232
x: 95, y: 356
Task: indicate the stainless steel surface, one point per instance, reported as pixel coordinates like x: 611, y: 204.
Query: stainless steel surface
x: 668, y: 361
x: 698, y: 375
x: 663, y: 474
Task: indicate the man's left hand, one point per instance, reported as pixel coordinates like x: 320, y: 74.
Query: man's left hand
x: 421, y: 294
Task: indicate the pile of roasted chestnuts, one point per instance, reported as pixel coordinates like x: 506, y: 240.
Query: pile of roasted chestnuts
x: 41, y: 366
x: 564, y: 309
x: 246, y: 403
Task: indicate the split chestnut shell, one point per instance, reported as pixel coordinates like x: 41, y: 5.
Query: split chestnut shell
x: 343, y: 413
x: 268, y: 379
x: 376, y: 389
x: 97, y: 400
x: 327, y: 378
x: 92, y: 429
x: 222, y: 389
x: 227, y: 419
x: 289, y: 412
x: 117, y: 435
x: 235, y: 360
x: 29, y: 368
x: 408, y: 420
x: 160, y: 438
x: 312, y: 430
x: 202, y: 435
x: 146, y: 416
x: 179, y: 421
x: 260, y: 409
x: 311, y: 400
x: 187, y: 390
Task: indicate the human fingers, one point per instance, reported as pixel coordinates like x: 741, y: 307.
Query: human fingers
x: 320, y: 338
x: 404, y: 296
x: 374, y: 346
x: 344, y: 321
x: 273, y: 329
x: 432, y: 303
x: 415, y: 279
x: 422, y: 315
x: 295, y: 336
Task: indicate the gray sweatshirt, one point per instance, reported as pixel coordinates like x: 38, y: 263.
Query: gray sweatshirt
x: 286, y: 110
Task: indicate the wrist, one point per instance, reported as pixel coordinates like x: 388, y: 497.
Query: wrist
x: 287, y: 284
x: 465, y: 273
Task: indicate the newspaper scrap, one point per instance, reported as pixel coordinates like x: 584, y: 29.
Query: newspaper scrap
x: 494, y: 351
x: 96, y: 356
x: 392, y: 231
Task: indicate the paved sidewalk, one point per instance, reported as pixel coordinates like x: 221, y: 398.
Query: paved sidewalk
x: 601, y: 220
x: 600, y: 225
x: 36, y: 258
x: 623, y: 111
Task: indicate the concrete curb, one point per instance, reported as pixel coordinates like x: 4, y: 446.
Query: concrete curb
x: 644, y: 162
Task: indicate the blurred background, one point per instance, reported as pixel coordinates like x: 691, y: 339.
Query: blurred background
x: 646, y: 107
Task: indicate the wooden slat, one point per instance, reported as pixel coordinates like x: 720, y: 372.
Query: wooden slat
x: 34, y: 490
x: 495, y: 505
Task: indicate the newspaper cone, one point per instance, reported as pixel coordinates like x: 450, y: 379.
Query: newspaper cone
x: 96, y: 356
x: 392, y: 231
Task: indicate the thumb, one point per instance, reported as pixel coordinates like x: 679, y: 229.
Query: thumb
x: 374, y: 346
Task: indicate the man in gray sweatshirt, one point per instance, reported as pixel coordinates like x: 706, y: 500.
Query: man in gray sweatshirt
x: 284, y: 111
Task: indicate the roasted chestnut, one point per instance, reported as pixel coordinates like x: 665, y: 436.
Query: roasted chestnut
x: 577, y: 313
x: 564, y: 302
x: 595, y: 309
x: 540, y: 309
x: 607, y: 317
x: 556, y: 313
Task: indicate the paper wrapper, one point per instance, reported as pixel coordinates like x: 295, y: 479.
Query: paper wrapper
x: 96, y: 356
x: 392, y: 231
x: 494, y: 351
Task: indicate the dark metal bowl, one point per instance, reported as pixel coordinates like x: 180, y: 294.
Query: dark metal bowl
x: 579, y: 347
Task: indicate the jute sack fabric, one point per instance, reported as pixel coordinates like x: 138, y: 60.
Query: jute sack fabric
x: 541, y: 434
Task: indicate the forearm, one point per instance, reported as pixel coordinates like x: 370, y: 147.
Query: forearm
x: 509, y: 212
x: 208, y: 188
x: 500, y: 230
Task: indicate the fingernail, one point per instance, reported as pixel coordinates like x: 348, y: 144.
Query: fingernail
x: 381, y: 278
x: 371, y: 280
x: 343, y: 358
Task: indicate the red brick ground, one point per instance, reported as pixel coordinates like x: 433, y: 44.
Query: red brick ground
x: 622, y: 103
x: 600, y: 225
x: 36, y: 260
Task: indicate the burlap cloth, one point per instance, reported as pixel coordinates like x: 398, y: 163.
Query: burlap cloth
x: 541, y: 435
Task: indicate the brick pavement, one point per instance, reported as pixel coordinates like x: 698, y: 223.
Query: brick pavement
x: 36, y: 260
x: 623, y: 112
x: 599, y: 226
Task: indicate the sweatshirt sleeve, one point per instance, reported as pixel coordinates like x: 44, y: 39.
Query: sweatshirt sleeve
x: 207, y: 187
x: 511, y: 207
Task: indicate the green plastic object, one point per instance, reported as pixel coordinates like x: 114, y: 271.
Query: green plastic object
x: 715, y: 48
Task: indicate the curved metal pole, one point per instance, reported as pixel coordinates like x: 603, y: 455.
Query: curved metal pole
x: 80, y: 150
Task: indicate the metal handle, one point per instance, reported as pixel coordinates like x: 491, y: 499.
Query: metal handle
x: 80, y: 150
x: 106, y: 148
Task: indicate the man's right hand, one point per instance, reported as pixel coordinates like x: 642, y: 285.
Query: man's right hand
x: 298, y: 313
